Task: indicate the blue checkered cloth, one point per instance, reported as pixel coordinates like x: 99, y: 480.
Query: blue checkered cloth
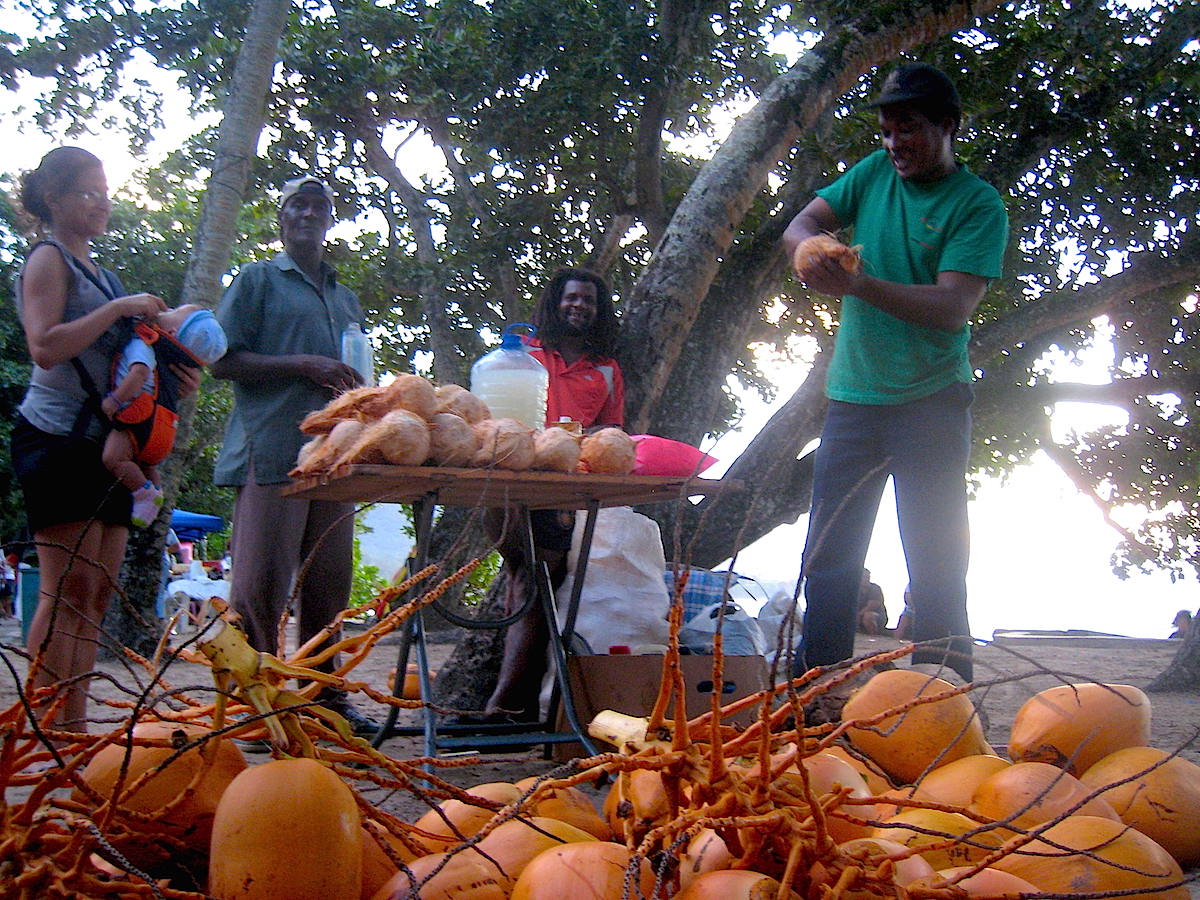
x: 704, y: 588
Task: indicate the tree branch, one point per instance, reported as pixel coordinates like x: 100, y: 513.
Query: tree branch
x: 667, y: 298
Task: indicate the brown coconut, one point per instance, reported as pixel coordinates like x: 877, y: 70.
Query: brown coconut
x: 400, y: 438
x: 360, y: 403
x: 452, y: 440
x: 454, y: 398
x: 304, y: 465
x: 414, y: 393
x: 505, y: 444
x: 556, y: 450
x: 609, y: 451
x: 816, y: 249
x: 337, y: 443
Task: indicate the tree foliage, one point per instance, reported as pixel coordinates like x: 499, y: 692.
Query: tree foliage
x: 668, y: 144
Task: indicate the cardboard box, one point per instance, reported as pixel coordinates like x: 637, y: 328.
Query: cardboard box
x: 629, y: 684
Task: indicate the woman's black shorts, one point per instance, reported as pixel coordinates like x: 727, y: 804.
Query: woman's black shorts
x: 64, y: 480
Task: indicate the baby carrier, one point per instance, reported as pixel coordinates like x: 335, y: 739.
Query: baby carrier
x: 152, y: 418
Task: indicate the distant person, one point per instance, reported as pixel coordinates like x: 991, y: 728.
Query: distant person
x: 903, y: 630
x: 171, y: 549
x: 74, y: 314
x: 1183, y: 625
x: 144, y: 411
x: 872, y: 613
x: 576, y: 330
x: 931, y: 235
x: 284, y: 318
x: 8, y: 587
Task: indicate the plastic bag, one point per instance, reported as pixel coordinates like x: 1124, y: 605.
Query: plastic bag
x: 740, y: 634
x: 663, y: 456
x: 772, y: 620
x: 624, y: 599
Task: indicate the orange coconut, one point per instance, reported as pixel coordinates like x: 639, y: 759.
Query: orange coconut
x: 733, y: 884
x: 987, y: 882
x: 377, y: 867
x: 445, y: 876
x: 869, y: 854
x: 1089, y: 854
x: 635, y: 803
x: 1072, y: 726
x: 453, y: 820
x: 954, y: 783
x: 906, y: 744
x: 287, y: 828
x: 927, y: 830
x: 593, y: 869
x: 181, y: 798
x: 1156, y: 793
x: 827, y: 774
x: 512, y: 845
x: 705, y: 852
x: 876, y: 780
x: 570, y: 805
x: 1028, y: 793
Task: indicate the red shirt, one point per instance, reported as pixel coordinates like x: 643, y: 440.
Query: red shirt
x: 589, y: 391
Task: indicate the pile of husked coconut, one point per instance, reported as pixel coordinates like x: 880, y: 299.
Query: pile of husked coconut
x: 410, y: 423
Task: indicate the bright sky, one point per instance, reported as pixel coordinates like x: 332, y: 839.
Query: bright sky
x: 1039, y: 554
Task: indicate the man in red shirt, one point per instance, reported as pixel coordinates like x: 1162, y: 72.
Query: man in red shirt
x: 576, y: 331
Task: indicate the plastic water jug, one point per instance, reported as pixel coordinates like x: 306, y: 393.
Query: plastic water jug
x: 356, y: 352
x: 511, y: 381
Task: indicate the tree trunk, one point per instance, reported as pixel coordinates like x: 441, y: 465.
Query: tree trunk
x: 465, y: 682
x: 666, y: 302
x: 133, y: 622
x: 1183, y: 674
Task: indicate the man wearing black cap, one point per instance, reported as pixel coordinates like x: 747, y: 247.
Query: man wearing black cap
x: 931, y: 234
x: 283, y: 318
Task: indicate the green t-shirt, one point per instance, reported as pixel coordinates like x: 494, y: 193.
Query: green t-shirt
x: 909, y: 233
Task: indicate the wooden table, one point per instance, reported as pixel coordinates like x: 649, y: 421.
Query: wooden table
x: 497, y: 487
x: 425, y: 488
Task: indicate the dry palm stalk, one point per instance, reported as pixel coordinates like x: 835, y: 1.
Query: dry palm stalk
x: 54, y: 846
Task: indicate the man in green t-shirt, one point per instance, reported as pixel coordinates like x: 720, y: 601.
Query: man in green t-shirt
x: 931, y: 235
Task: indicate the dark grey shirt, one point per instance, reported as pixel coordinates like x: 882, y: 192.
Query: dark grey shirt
x: 272, y: 308
x: 56, y: 395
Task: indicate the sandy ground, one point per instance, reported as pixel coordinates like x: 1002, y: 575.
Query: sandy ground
x: 1007, y: 671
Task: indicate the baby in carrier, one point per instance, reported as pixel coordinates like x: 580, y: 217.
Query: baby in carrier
x: 143, y: 402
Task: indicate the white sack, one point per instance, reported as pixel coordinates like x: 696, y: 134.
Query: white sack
x: 624, y: 599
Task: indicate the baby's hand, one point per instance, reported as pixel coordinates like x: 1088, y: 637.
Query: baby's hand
x: 189, y: 379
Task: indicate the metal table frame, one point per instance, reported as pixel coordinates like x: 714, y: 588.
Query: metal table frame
x: 425, y: 489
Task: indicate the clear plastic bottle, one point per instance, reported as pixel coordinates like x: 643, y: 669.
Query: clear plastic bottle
x: 511, y: 381
x: 356, y: 352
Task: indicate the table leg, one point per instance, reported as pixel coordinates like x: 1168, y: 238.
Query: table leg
x: 559, y: 641
x: 413, y: 633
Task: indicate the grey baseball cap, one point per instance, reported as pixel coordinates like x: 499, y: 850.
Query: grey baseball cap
x: 305, y: 184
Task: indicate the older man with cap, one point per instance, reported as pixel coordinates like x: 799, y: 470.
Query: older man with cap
x: 284, y: 318
x: 932, y: 235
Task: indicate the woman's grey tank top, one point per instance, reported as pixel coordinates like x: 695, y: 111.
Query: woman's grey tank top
x: 55, y: 396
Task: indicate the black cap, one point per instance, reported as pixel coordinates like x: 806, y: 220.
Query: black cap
x: 917, y: 81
